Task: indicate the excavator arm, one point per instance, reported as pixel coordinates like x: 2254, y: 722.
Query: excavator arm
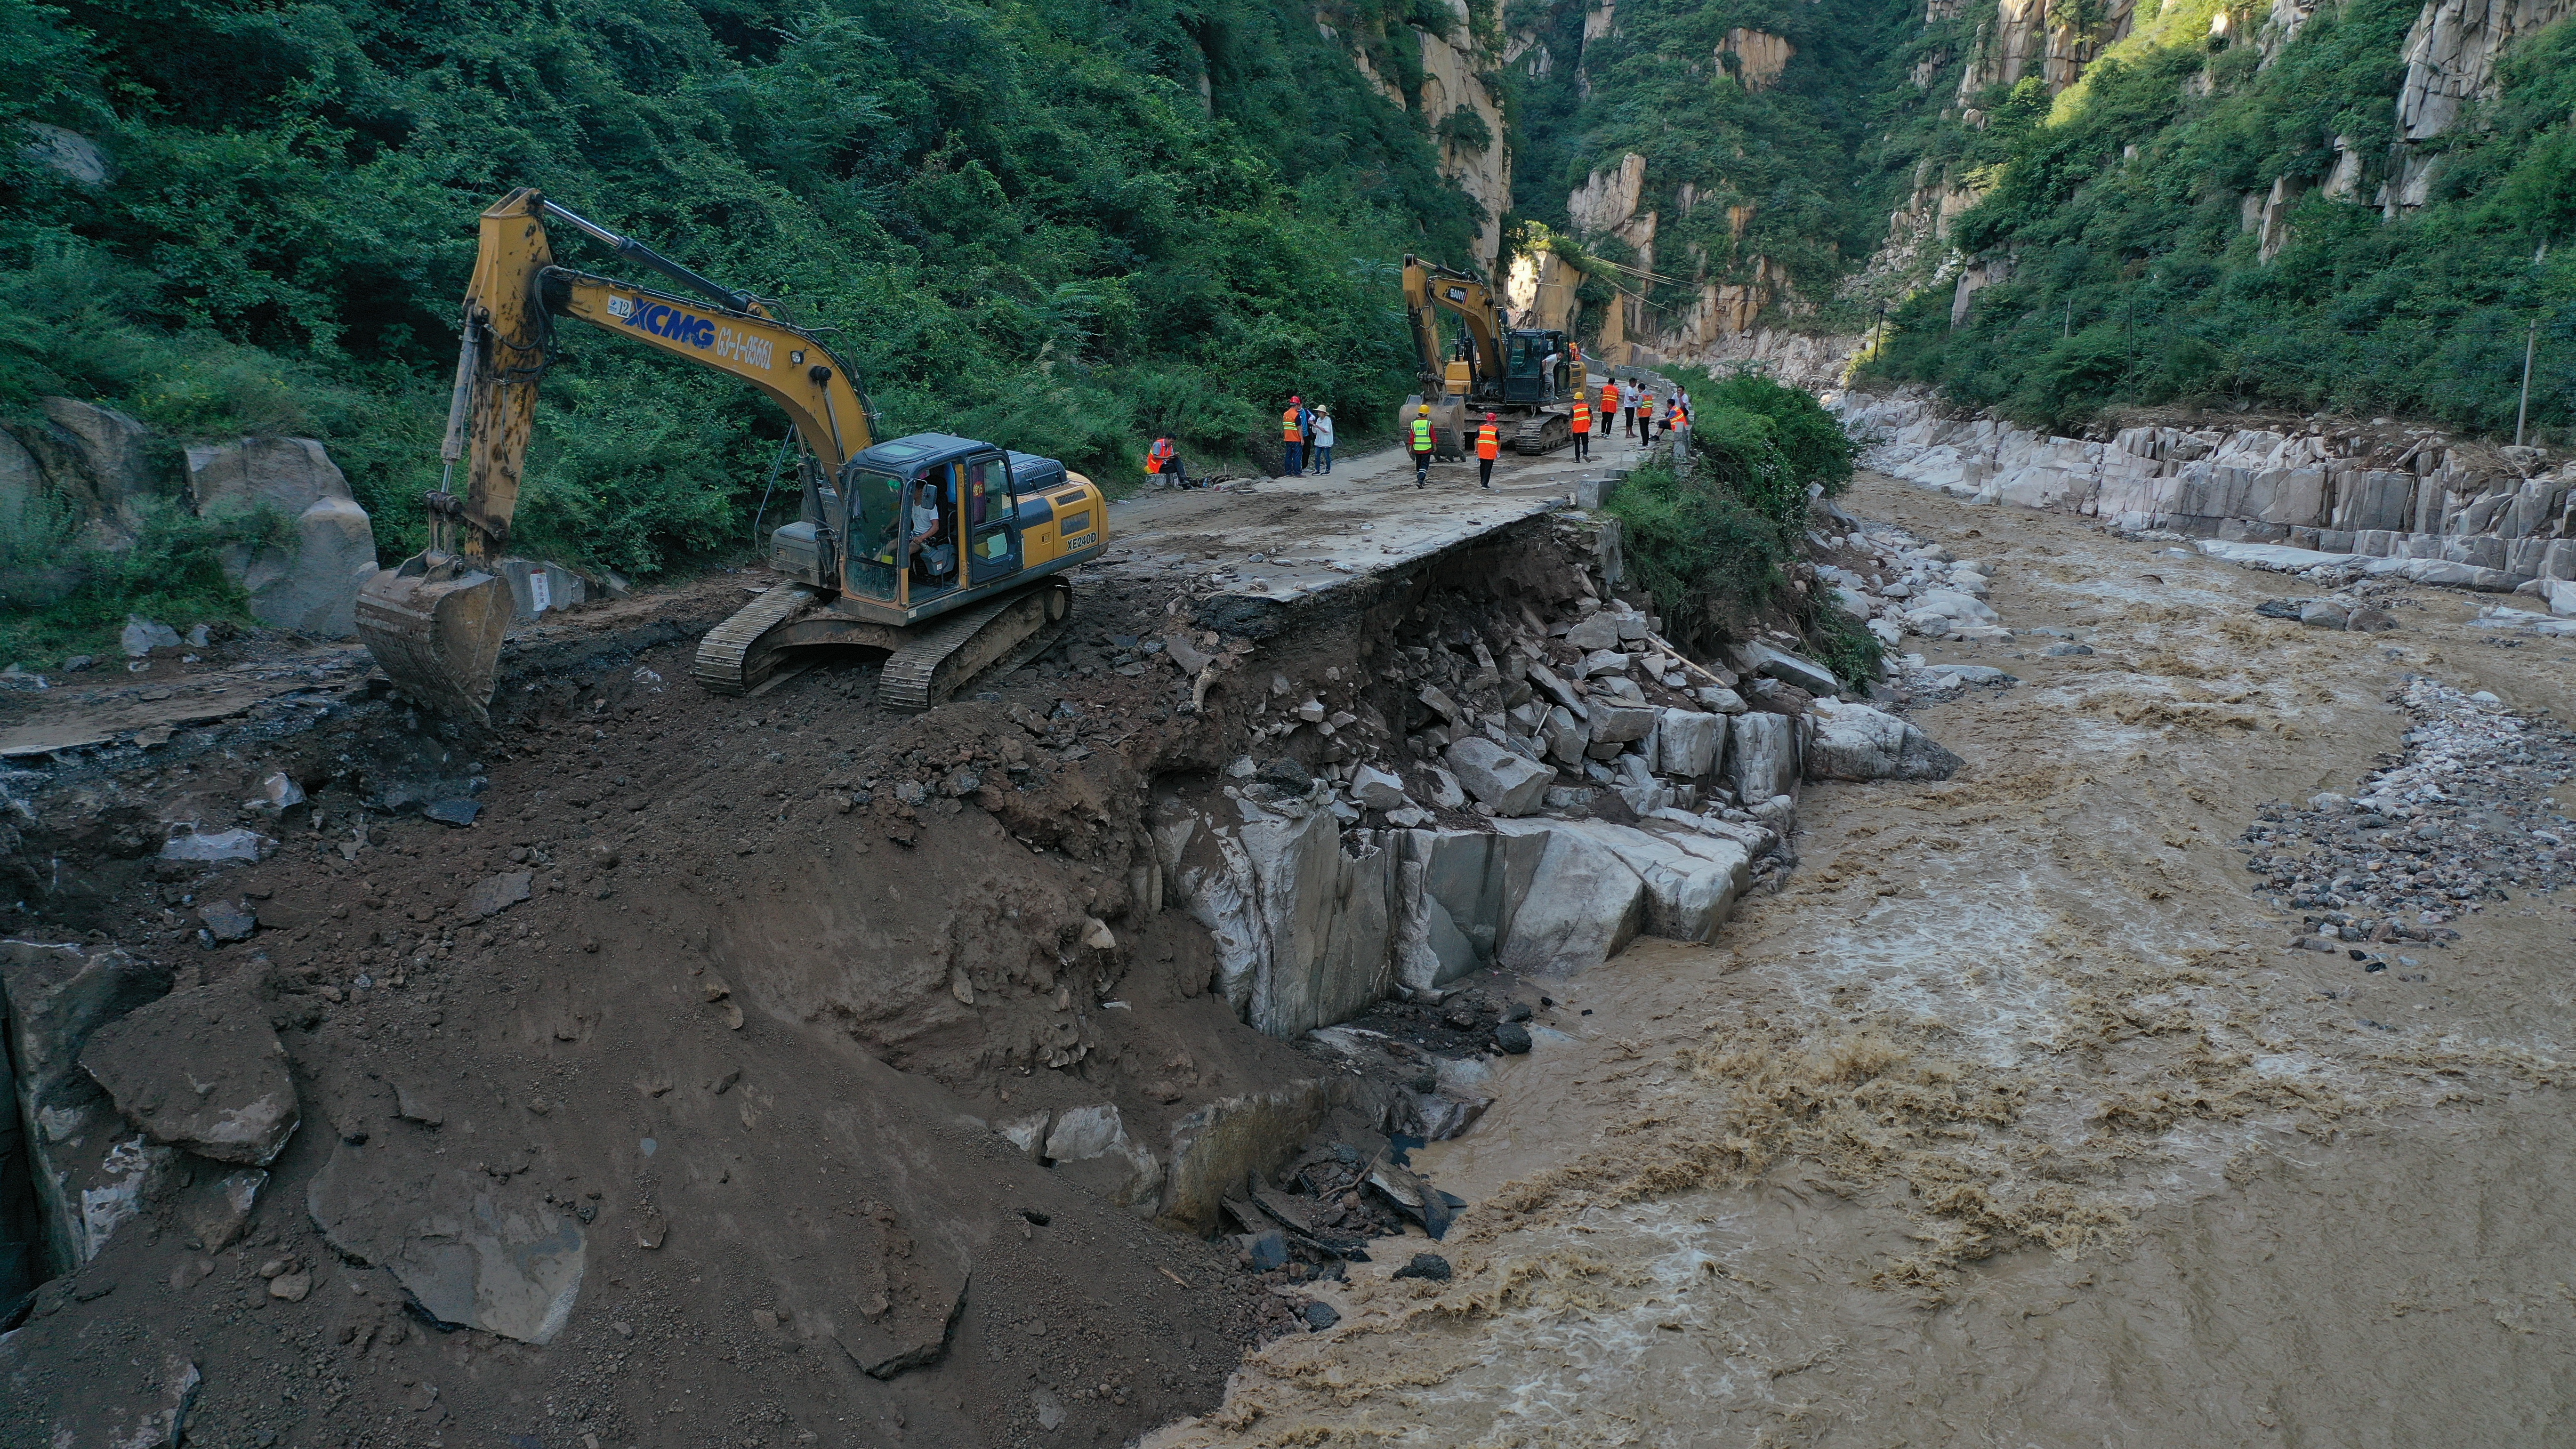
x: 1427, y: 286
x: 435, y: 621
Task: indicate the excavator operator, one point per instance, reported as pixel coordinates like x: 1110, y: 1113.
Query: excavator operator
x: 933, y: 562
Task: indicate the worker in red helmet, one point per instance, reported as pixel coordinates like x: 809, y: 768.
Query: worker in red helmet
x: 1489, y: 446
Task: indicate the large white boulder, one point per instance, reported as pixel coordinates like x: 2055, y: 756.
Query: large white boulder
x: 1856, y: 742
x: 1763, y: 760
x: 1689, y: 743
x: 1301, y: 927
x: 310, y: 582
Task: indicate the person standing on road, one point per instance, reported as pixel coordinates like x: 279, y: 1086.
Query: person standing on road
x: 1646, y: 417
x: 1582, y: 427
x: 1292, y: 434
x: 1489, y: 446
x: 1422, y: 441
x: 1306, y: 426
x: 1609, y: 404
x: 1323, y: 439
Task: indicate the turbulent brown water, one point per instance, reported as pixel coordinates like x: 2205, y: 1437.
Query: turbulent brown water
x: 2013, y: 1121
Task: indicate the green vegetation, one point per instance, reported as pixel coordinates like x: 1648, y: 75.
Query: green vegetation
x: 1793, y: 164
x: 2136, y: 282
x: 62, y: 599
x: 1021, y: 220
x: 1711, y: 539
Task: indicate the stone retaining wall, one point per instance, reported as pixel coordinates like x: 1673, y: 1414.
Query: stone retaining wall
x: 2379, y: 491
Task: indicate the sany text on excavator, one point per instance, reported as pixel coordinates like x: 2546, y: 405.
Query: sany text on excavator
x: 1493, y: 369
x: 946, y: 553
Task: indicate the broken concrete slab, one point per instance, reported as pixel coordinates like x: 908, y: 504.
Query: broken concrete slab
x: 472, y: 1252
x: 199, y: 1070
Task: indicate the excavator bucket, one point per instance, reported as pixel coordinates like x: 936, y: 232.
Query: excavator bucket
x: 434, y: 624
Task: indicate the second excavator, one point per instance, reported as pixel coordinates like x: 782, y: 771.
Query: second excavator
x: 944, y: 553
x: 1527, y: 375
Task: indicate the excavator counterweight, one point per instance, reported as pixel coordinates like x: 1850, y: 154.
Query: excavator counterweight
x: 891, y: 535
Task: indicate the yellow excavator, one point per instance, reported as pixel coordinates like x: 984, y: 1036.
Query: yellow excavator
x: 944, y: 553
x: 1494, y: 369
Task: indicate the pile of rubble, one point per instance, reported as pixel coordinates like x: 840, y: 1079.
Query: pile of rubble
x: 2461, y: 816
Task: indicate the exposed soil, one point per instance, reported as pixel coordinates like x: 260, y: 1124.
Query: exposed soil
x: 781, y: 968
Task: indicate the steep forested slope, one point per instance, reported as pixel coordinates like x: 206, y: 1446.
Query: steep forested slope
x: 2221, y: 213
x: 1063, y: 225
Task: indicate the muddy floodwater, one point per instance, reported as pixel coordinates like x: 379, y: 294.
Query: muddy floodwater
x: 2016, y: 1118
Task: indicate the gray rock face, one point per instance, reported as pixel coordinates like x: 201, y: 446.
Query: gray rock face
x: 1511, y: 783
x: 312, y: 583
x: 1377, y: 789
x: 58, y: 998
x: 472, y: 1252
x: 1565, y: 736
x: 1619, y: 724
x: 1856, y: 742
x: 1689, y: 743
x: 1763, y: 760
x: 199, y: 1070
x: 141, y: 636
x: 1599, y: 631
x: 100, y: 463
x: 1301, y: 925
x: 1806, y: 673
x: 69, y: 153
x: 28, y: 585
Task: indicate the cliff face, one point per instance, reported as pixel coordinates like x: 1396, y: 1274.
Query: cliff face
x: 1454, y: 102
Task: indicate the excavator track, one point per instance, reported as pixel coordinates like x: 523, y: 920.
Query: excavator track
x: 941, y: 656
x: 1543, y: 433
x: 730, y: 659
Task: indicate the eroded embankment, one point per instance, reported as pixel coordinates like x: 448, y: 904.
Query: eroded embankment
x: 2024, y: 1108
x: 781, y: 1063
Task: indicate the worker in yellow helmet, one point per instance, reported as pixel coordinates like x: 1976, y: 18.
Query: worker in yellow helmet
x: 1423, y: 439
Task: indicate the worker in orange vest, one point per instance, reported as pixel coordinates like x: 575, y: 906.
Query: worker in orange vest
x: 1582, y: 427
x: 1646, y: 416
x: 1609, y: 404
x: 1489, y: 446
x: 1292, y: 433
x: 1163, y: 460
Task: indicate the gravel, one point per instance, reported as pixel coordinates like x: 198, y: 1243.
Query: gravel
x: 2462, y: 818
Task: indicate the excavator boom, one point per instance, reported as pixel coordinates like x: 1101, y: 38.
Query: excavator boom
x: 435, y: 622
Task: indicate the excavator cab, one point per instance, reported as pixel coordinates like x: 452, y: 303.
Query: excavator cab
x: 1528, y: 375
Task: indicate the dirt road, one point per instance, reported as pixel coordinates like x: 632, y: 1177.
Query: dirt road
x: 2015, y: 1119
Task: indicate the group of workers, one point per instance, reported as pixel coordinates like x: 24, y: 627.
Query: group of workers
x: 1615, y: 403
x: 1306, y: 434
